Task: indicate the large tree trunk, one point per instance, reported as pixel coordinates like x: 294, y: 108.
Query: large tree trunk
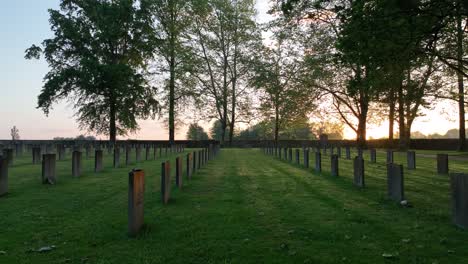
x: 401, y: 118
x: 461, y: 89
x: 391, y: 115
x: 172, y: 98
x: 362, y: 125
x: 112, y: 125
x: 276, y: 125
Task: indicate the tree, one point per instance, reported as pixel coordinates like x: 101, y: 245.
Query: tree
x: 216, y: 131
x: 98, y: 58
x: 173, y: 18
x: 196, y: 132
x: 14, y: 132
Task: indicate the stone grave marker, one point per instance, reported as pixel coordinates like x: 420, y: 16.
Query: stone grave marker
x: 76, y: 163
x: 189, y: 166
x: 411, y: 160
x: 116, y: 157
x: 37, y: 157
x: 389, y: 156
x: 98, y: 157
x: 179, y: 172
x: 373, y: 155
x: 334, y: 165
x: 49, y: 174
x: 298, y: 159
x: 442, y: 164
x: 165, y: 182
x: 8, y: 155
x: 459, y: 188
x: 3, y: 176
x: 395, y: 179
x: 136, y: 192
x: 306, y: 157
x: 318, y: 161
x: 359, y: 171
x: 348, y: 152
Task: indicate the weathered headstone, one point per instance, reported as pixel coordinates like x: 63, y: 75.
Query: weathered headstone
x: 76, y: 164
x: 36, y: 153
x: 442, y: 164
x: 348, y: 152
x: 48, y: 169
x: 373, y: 155
x: 128, y: 155
x: 165, y: 182
x: 136, y: 192
x: 395, y: 187
x: 285, y: 151
x: 148, y: 151
x: 61, y: 151
x: 334, y: 165
x: 8, y: 155
x: 298, y: 159
x: 3, y: 176
x: 318, y: 161
x: 98, y: 160
x: 359, y: 172
x: 19, y: 149
x: 138, y: 153
x: 389, y: 156
x: 200, y: 158
x: 306, y: 157
x: 459, y: 188
x: 290, y: 154
x: 195, y: 162
x: 116, y: 157
x: 179, y: 172
x: 189, y: 166
x: 411, y: 159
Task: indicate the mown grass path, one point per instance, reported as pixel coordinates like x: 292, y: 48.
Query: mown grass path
x: 243, y: 207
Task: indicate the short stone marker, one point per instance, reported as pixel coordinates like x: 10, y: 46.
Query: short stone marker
x: 200, y: 157
x: 298, y: 159
x: 165, y: 182
x: 459, y: 188
x: 389, y: 156
x: 442, y: 164
x: 179, y: 172
x: 76, y: 163
x: 285, y: 152
x: 318, y: 161
x: 395, y: 187
x: 194, y: 163
x: 136, y: 192
x: 98, y: 161
x: 348, y: 152
x: 3, y: 176
x: 411, y: 160
x: 116, y: 157
x: 37, y: 157
x: 138, y: 153
x: 60, y: 152
x: 147, y: 153
x: 290, y: 154
x: 334, y: 165
x: 373, y: 155
x: 189, y: 166
x: 359, y: 171
x: 48, y: 169
x: 279, y: 153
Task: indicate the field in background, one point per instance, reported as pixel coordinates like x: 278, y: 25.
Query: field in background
x: 243, y: 207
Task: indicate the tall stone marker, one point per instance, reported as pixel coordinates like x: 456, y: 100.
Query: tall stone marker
x: 8, y: 155
x: 49, y: 173
x: 373, y: 155
x: 37, y: 157
x: 179, y: 172
x: 359, y: 171
x: 442, y: 164
x: 334, y: 165
x: 318, y: 161
x: 165, y: 182
x: 459, y: 186
x: 136, y: 191
x: 189, y: 166
x: 389, y: 156
x: 116, y: 157
x: 98, y: 166
x: 348, y: 152
x: 3, y: 176
x: 395, y: 187
x: 411, y: 159
x: 76, y: 163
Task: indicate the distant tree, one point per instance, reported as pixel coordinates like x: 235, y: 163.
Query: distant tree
x: 334, y: 130
x: 196, y: 132
x: 14, y: 132
x: 217, y: 130
x: 97, y: 59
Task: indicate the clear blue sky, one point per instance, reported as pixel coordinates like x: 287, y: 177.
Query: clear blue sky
x: 25, y: 22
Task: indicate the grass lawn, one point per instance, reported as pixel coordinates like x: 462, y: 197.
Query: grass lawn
x: 242, y: 207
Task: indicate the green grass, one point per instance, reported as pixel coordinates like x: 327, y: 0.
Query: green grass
x: 242, y: 207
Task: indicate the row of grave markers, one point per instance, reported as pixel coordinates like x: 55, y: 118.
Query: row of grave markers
x: 136, y: 183
x: 48, y: 161
x: 395, y: 174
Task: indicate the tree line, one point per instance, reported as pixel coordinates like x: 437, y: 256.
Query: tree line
x: 118, y: 61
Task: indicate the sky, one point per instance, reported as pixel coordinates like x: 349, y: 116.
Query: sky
x: 25, y: 22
